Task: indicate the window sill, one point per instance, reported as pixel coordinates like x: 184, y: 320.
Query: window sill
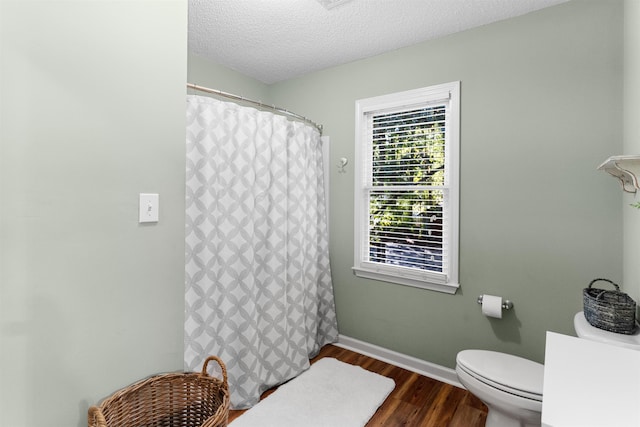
x: 448, y: 288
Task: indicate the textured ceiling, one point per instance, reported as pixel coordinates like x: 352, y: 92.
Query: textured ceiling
x: 275, y: 40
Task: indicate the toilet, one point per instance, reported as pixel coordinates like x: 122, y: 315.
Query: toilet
x: 586, y: 331
x: 511, y: 386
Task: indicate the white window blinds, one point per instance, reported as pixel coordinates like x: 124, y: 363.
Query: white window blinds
x: 405, y: 203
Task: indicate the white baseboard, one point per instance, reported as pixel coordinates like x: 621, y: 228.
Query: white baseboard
x: 413, y: 364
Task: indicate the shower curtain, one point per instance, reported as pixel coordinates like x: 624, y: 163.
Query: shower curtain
x: 258, y: 284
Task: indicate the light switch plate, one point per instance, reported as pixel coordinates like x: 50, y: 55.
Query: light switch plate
x: 149, y: 207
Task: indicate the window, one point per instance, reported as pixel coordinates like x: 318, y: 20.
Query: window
x: 406, y: 200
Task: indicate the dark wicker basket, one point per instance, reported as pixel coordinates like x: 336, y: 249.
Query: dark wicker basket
x: 167, y: 400
x: 612, y: 311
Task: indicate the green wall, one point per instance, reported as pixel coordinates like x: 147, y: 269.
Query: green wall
x: 540, y: 110
x: 631, y: 143
x: 205, y: 73
x: 92, y: 112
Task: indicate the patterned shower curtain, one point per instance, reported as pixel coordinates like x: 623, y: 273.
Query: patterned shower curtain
x: 258, y: 284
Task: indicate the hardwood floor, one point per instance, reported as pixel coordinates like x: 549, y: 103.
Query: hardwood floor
x: 416, y: 401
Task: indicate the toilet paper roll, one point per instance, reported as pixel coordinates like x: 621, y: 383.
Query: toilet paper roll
x: 492, y: 306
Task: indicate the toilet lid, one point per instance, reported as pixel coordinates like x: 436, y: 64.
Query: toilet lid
x: 509, y: 373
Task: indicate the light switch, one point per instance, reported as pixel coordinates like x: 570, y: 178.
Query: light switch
x: 149, y: 206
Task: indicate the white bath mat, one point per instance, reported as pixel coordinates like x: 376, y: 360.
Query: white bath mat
x: 330, y: 394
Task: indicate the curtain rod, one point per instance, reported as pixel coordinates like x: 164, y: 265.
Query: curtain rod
x: 257, y: 103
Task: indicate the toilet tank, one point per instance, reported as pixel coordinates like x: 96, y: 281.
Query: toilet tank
x: 586, y: 331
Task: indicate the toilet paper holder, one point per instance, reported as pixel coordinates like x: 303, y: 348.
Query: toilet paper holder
x: 506, y: 304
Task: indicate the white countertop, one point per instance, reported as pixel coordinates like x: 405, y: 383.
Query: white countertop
x: 589, y: 384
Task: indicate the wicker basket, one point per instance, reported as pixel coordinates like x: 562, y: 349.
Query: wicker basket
x: 168, y: 400
x: 612, y: 311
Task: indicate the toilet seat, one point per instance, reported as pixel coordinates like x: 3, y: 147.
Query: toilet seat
x: 505, y: 372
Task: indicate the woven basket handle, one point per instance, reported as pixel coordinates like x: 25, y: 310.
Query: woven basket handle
x: 95, y: 417
x: 222, y: 368
x: 604, y: 280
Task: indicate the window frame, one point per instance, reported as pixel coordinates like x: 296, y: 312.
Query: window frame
x: 447, y: 281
